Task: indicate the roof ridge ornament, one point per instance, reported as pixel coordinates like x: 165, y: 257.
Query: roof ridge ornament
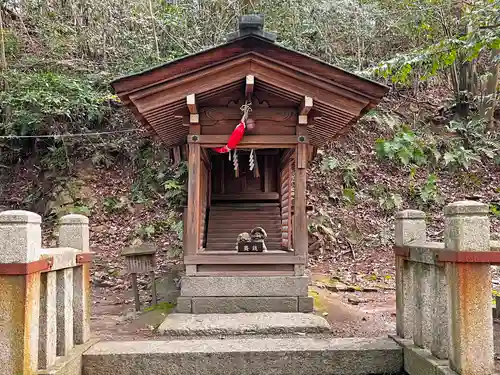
x: 251, y: 24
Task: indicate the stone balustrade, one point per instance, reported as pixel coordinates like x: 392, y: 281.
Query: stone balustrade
x: 443, y: 292
x: 44, y: 293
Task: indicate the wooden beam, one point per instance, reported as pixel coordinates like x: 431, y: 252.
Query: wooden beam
x: 194, y: 116
x: 229, y: 257
x: 209, y: 116
x: 255, y: 141
x: 250, y: 80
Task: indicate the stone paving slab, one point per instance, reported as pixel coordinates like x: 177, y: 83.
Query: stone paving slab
x: 246, y: 356
x: 242, y: 324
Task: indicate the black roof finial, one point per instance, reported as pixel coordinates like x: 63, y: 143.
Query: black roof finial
x: 251, y: 24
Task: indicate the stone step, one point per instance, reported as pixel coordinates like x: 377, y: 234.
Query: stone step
x: 246, y: 220
x: 245, y: 206
x: 227, y: 213
x: 263, y: 323
x: 246, y: 356
x: 230, y: 237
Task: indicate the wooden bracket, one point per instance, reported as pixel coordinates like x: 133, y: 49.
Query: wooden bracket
x: 194, y: 116
x: 20, y: 269
x: 304, y: 109
x: 249, y: 86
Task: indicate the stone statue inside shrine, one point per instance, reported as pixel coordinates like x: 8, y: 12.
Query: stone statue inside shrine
x: 258, y: 235
x: 243, y: 238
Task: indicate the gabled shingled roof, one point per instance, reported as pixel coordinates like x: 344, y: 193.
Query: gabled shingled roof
x: 156, y: 94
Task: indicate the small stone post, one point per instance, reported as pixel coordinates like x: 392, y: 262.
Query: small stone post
x: 467, y: 228
x: 20, y: 243
x: 74, y: 232
x: 410, y: 228
x: 440, y: 331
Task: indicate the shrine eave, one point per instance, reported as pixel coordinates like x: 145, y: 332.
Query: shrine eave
x: 155, y: 95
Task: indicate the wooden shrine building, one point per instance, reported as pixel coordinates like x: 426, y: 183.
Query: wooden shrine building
x: 294, y: 104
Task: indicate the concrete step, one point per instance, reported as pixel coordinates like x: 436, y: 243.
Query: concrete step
x: 246, y: 356
x: 262, y: 323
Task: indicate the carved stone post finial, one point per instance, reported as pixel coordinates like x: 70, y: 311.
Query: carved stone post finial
x: 20, y: 243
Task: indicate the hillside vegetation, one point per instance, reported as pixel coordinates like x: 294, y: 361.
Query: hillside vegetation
x: 67, y: 145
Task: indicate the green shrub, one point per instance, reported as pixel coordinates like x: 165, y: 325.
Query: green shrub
x: 428, y: 193
x: 390, y: 202
x: 460, y: 158
x: 406, y: 148
x: 35, y: 100
x: 329, y: 163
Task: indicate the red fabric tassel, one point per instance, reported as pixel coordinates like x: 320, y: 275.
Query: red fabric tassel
x: 234, y: 139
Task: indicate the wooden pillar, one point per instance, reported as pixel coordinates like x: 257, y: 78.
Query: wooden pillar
x: 300, y: 215
x: 193, y: 205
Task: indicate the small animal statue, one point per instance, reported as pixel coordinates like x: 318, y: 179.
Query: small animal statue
x: 258, y: 234
x: 243, y: 238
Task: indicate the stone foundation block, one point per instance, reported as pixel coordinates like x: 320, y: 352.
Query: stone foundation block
x: 258, y: 286
x: 231, y: 305
x: 306, y: 304
x: 184, y: 305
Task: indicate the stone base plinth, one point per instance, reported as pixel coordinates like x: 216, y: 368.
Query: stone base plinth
x: 232, y: 305
x: 240, y: 286
x: 229, y: 295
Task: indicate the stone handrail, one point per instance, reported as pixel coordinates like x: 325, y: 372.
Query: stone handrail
x: 45, y: 293
x: 443, y: 292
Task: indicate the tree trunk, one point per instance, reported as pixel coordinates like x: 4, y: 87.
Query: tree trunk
x: 153, y: 23
x: 464, y: 76
x: 466, y: 88
x: 491, y: 90
x: 3, y: 59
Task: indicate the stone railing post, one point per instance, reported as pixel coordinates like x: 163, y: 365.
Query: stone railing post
x: 20, y: 266
x: 74, y: 233
x: 467, y: 229
x: 410, y: 229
